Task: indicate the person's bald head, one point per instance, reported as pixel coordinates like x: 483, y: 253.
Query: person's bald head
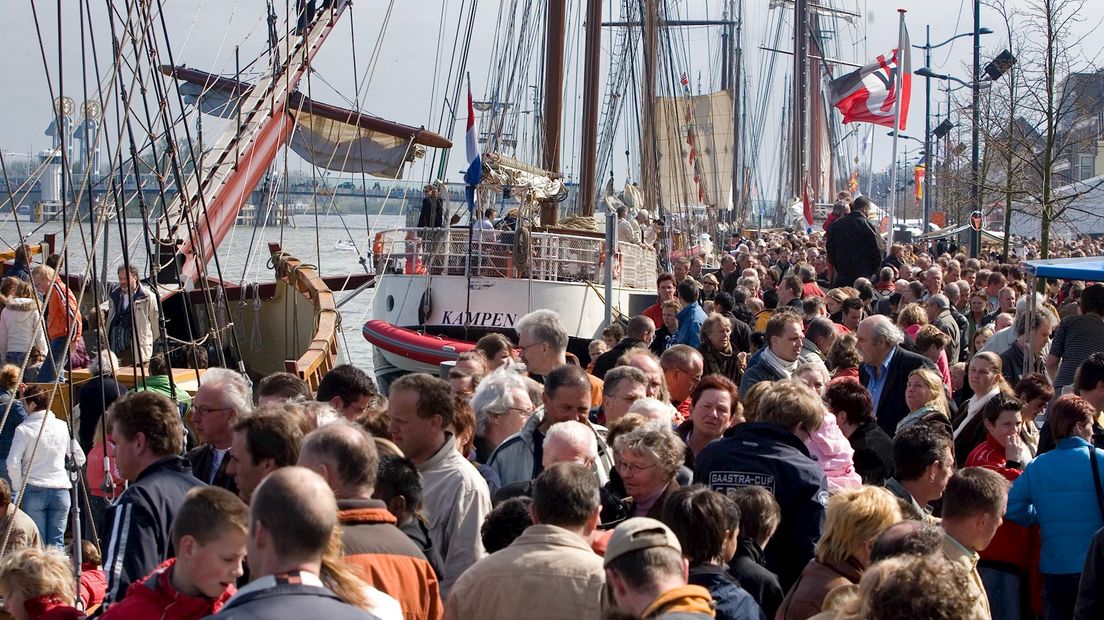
x: 345, y: 455
x: 292, y: 515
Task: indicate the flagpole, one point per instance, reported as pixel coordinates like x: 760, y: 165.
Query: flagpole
x: 897, y: 96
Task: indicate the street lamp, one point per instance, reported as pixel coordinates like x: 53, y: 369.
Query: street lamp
x: 928, y: 47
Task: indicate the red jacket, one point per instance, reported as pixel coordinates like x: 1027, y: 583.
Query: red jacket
x: 58, y: 323
x: 93, y: 585
x: 1013, y: 544
x: 50, y: 607
x: 154, y: 597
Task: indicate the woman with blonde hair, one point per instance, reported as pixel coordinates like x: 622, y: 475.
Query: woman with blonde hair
x: 985, y: 378
x: 927, y: 400
x: 910, y: 318
x: 37, y: 584
x: 855, y: 518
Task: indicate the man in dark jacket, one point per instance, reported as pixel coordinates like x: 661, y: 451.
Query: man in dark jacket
x: 769, y: 454
x: 1090, y: 596
x: 346, y: 457
x: 149, y: 436
x: 291, y: 519
x: 854, y: 246
x: 641, y: 331
x: 886, y: 368
x: 778, y: 360
x: 219, y: 403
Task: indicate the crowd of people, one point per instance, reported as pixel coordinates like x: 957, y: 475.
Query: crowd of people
x: 812, y: 428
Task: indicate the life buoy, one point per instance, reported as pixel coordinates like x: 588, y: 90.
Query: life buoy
x: 617, y: 263
x: 377, y: 247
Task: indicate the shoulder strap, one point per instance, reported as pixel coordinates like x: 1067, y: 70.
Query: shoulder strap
x: 1096, y: 480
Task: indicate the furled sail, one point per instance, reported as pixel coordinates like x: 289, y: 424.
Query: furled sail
x: 695, y: 143
x: 345, y: 147
x: 329, y: 137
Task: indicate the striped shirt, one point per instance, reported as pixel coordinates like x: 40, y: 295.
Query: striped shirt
x: 1076, y: 338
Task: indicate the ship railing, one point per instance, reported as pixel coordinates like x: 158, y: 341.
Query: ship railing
x: 552, y: 256
x: 320, y: 354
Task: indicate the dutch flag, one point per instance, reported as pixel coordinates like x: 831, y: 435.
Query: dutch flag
x: 475, y: 164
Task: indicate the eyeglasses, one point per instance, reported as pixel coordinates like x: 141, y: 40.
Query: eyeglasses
x: 519, y: 410
x: 629, y: 468
x: 526, y: 347
x: 693, y: 378
x: 200, y: 410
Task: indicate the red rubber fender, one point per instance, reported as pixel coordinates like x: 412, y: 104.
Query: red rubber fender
x: 412, y: 344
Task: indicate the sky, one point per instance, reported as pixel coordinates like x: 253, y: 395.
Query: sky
x: 405, y: 84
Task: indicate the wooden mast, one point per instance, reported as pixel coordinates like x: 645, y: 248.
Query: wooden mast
x: 648, y: 166
x: 591, y: 97
x: 799, y: 155
x: 553, y: 98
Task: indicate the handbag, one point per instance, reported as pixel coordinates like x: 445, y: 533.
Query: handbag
x: 1096, y: 481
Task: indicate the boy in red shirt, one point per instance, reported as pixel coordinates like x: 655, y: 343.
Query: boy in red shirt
x: 209, y: 534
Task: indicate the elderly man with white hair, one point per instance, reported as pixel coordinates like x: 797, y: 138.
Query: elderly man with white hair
x: 565, y: 442
x: 223, y: 397
x: 654, y: 410
x: 938, y: 308
x: 886, y: 368
x: 502, y: 405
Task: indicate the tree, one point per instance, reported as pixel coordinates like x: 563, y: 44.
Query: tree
x: 1052, y: 95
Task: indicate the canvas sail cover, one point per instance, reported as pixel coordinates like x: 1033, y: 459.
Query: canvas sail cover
x: 344, y: 147
x: 695, y: 143
x: 326, y: 143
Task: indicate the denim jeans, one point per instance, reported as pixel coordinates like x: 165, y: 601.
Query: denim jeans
x: 1059, y: 595
x: 49, y: 509
x: 54, y: 366
x: 1003, y: 590
x: 17, y: 357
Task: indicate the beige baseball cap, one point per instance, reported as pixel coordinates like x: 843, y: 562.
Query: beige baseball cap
x: 639, y: 533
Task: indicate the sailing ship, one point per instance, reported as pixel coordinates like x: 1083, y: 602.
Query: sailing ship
x: 290, y: 323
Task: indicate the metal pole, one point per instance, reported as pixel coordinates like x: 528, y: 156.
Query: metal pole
x: 896, y: 130
x: 611, y: 253
x: 975, y: 153
x: 928, y: 159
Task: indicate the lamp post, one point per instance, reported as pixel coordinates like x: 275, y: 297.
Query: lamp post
x: 928, y: 47
x: 975, y: 153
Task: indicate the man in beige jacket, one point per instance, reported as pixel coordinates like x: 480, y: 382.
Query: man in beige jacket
x: 973, y: 509
x: 550, y: 571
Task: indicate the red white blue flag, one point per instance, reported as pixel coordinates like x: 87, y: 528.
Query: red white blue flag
x: 475, y: 163
x: 867, y: 95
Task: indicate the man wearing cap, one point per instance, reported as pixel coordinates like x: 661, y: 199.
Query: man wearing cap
x: 647, y: 573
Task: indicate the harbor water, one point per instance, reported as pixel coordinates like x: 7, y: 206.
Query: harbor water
x: 242, y: 257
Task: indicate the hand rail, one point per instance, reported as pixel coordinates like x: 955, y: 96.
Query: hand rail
x: 555, y: 257
x: 319, y: 356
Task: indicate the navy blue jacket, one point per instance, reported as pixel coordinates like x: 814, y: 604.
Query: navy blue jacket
x: 290, y: 601
x: 140, y: 522
x: 767, y: 455
x: 750, y: 570
x: 891, y: 407
x: 95, y: 397
x: 15, y: 417
x: 731, y: 602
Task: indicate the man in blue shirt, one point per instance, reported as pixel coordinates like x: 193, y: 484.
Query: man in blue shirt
x: 691, y: 317
x: 885, y: 369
